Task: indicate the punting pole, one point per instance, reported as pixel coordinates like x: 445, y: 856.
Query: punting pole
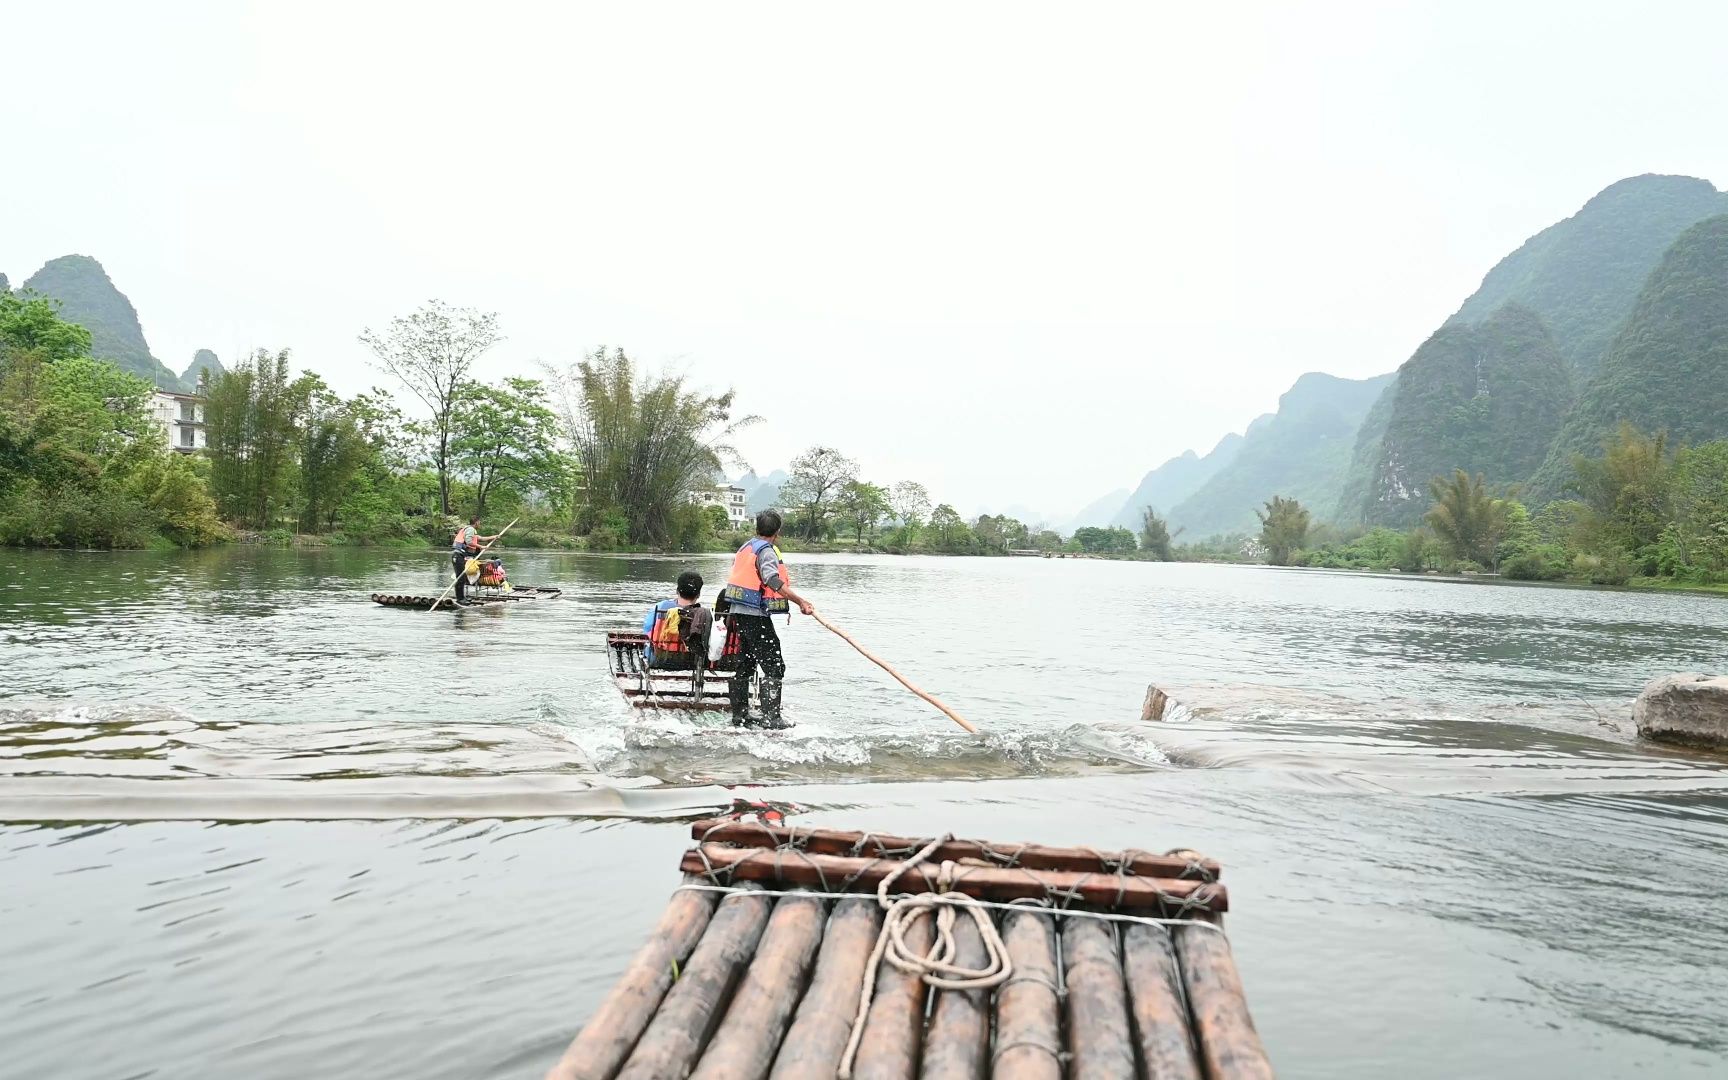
x: 476, y: 555
x: 620, y: 1020
x: 884, y: 665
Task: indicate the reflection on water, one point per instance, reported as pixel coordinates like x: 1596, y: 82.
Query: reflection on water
x: 1448, y: 852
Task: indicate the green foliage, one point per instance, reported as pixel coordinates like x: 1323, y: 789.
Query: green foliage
x: 1665, y: 370
x: 1544, y: 562
x: 1467, y: 518
x: 643, y: 443
x: 1283, y: 529
x: 1609, y: 568
x: 1155, y: 535
x: 32, y: 324
x: 1485, y: 398
x: 1114, y: 540
x: 252, y: 419
x: 817, y: 481
x: 862, y: 506
x: 505, y: 439
x: 999, y: 534
x: 1694, y: 543
x: 1376, y: 549
x: 1626, y: 494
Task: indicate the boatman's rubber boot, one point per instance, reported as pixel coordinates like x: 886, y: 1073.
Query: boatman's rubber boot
x: 738, y: 696
x: 770, y: 694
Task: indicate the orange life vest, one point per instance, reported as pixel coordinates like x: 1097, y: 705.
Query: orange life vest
x: 744, y: 585
x: 467, y: 539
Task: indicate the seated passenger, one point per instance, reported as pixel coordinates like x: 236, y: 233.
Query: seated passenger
x: 678, y: 628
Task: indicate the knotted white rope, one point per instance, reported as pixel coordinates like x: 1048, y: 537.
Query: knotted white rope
x: 936, y: 967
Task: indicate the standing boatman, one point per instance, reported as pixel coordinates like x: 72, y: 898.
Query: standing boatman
x: 464, y: 546
x: 757, y: 589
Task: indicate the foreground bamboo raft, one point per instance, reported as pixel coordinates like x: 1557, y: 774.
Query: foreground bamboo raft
x: 1075, y: 963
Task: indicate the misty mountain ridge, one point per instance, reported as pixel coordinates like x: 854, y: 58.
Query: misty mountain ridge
x: 1581, y: 275
x: 203, y: 362
x: 1175, y: 480
x: 89, y: 298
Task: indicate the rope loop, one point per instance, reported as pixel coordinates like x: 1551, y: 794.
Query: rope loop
x: 937, y: 966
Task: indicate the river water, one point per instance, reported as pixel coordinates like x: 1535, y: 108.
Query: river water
x: 257, y: 825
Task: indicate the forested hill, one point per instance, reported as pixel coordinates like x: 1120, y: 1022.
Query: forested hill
x: 1488, y: 398
x: 1667, y: 370
x: 1175, y: 480
x: 1302, y: 451
x: 1581, y: 275
x: 89, y: 298
x: 202, y: 361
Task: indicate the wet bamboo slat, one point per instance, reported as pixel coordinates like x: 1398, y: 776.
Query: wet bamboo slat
x: 675, y: 1037
x: 894, y: 1029
x: 723, y: 863
x: 1099, y: 1043
x: 1229, y: 1046
x: 612, y: 1031
x: 1155, y: 997
x: 744, y: 1045
x: 957, y: 1046
x: 1028, y: 1005
x: 817, y: 1039
x: 1032, y: 856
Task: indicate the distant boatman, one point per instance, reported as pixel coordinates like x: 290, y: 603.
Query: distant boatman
x: 464, y: 546
x: 759, y: 587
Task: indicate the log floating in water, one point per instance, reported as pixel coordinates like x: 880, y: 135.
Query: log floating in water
x: 817, y: 1039
x: 1229, y: 1045
x: 675, y: 1037
x: 958, y: 1044
x: 744, y: 1046
x: 1028, y: 1006
x: 1155, y: 995
x: 894, y: 1030
x: 724, y: 863
x: 1098, y: 1032
x: 621, y: 1018
x: 1033, y: 856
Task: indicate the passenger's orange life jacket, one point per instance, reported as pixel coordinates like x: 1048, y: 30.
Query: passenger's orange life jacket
x: 668, y: 633
x: 744, y: 585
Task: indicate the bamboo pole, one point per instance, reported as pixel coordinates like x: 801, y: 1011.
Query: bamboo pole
x: 894, y: 1029
x: 813, y: 1047
x: 1098, y: 1034
x: 606, y: 1039
x: 675, y: 1036
x: 1155, y: 996
x: 476, y: 555
x: 884, y: 665
x: 1229, y: 1046
x: 982, y: 882
x: 1028, y: 1007
x: 958, y: 1044
x: 1180, y: 864
x: 744, y: 1046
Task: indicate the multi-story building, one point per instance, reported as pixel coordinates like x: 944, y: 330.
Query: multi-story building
x: 181, y: 418
x: 728, y: 497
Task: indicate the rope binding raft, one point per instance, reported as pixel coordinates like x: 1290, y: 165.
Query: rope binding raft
x: 936, y: 968
x: 812, y: 952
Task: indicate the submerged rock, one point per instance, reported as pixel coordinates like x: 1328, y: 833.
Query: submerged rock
x: 1685, y: 708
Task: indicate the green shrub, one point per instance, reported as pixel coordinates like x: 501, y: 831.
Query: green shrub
x: 1545, y: 563
x: 1613, y: 568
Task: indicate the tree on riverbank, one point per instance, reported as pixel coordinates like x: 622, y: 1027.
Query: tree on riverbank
x: 644, y: 442
x: 431, y: 353
x: 82, y: 460
x: 813, y: 487
x: 1283, y: 529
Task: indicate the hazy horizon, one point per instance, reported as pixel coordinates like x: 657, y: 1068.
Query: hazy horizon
x: 1019, y: 255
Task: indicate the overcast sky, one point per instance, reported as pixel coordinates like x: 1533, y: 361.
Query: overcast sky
x: 1022, y: 253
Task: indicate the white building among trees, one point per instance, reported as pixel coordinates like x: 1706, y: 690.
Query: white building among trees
x: 181, y: 418
x: 728, y: 497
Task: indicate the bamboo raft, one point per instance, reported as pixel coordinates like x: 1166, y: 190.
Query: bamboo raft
x: 769, y: 963
x: 477, y: 594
